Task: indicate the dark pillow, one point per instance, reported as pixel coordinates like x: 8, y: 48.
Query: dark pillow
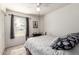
x: 74, y: 39
x: 67, y: 43
x: 74, y: 36
x: 63, y: 44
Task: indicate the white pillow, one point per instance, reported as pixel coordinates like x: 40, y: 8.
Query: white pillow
x: 54, y: 41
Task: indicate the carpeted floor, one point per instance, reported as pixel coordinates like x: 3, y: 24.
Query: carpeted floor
x: 16, y: 50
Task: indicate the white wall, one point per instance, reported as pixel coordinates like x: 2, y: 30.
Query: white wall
x: 20, y: 39
x: 62, y: 21
x: 41, y: 23
x: 2, y: 38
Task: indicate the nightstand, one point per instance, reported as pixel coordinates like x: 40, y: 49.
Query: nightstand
x: 36, y: 34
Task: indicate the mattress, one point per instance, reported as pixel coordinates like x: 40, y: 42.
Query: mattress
x: 41, y: 46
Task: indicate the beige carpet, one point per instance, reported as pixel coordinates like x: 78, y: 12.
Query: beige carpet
x: 16, y: 50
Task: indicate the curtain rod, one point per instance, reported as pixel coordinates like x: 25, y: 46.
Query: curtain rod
x: 17, y: 15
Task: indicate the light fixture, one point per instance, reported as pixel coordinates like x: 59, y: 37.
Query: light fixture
x: 38, y: 9
x: 38, y: 4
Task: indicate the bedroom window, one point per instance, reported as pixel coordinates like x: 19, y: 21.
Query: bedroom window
x: 19, y: 26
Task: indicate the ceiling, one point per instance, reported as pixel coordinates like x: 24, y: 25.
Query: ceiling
x: 30, y: 8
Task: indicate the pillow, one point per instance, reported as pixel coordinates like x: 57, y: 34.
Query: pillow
x: 54, y: 41
x: 66, y: 43
x: 63, y: 44
x: 74, y: 36
x: 74, y: 39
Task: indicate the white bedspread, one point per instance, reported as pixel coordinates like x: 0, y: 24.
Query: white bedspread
x: 41, y: 46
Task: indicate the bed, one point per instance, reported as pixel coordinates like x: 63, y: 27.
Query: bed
x: 41, y: 46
